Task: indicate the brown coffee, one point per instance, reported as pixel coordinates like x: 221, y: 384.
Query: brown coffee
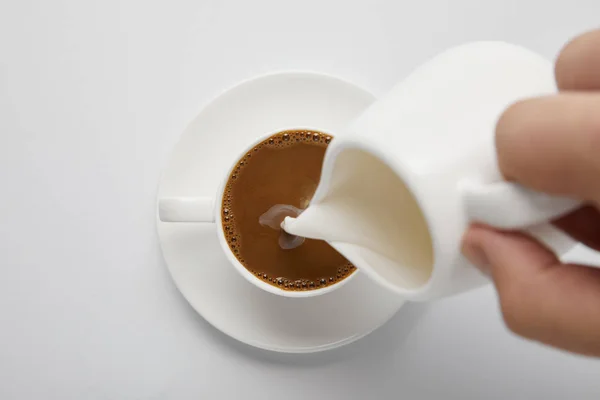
x: 283, y: 169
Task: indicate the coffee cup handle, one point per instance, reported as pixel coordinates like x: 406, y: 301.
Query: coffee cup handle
x: 186, y: 209
x: 510, y: 206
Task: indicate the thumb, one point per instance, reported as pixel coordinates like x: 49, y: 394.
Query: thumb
x: 540, y: 297
x: 506, y: 256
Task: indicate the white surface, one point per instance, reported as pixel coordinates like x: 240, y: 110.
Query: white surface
x: 201, y: 263
x: 93, y: 96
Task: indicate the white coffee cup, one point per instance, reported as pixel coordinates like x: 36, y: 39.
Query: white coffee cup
x: 209, y: 210
x: 400, y: 187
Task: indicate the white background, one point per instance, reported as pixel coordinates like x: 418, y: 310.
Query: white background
x: 93, y: 95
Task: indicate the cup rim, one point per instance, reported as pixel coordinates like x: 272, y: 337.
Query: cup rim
x: 231, y: 257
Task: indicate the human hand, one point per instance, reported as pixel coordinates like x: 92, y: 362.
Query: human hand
x: 551, y: 144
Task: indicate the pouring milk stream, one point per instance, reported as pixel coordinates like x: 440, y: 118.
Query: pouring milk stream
x: 400, y: 186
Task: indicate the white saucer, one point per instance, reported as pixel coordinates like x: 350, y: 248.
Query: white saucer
x: 193, y: 255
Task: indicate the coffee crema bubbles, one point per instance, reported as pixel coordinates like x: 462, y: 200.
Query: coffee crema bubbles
x: 282, y: 169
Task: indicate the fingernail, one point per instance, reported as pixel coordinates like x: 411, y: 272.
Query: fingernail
x: 477, y: 257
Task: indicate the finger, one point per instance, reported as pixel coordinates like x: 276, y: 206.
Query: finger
x: 578, y: 65
x: 552, y: 144
x: 541, y: 298
x: 583, y: 225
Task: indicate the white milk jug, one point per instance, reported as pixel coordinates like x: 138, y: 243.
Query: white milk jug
x: 399, y: 189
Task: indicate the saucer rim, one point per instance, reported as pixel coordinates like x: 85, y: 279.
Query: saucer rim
x: 210, y: 321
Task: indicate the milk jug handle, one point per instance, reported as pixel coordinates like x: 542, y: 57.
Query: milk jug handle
x: 510, y: 206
